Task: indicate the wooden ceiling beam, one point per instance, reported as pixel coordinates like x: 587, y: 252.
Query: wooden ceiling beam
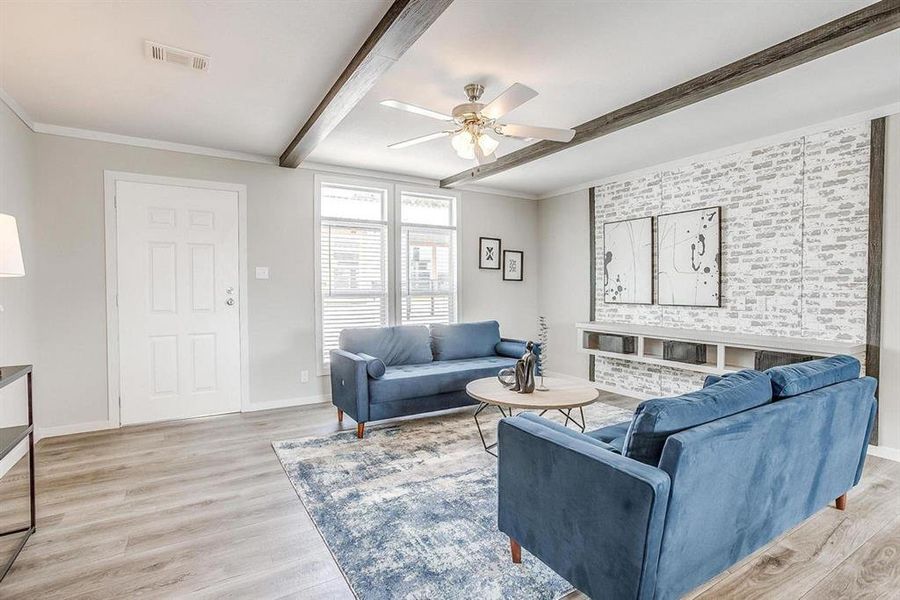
x: 401, y: 25
x: 841, y: 33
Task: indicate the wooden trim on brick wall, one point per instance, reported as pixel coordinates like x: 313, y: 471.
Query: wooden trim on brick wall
x: 592, y: 207
x: 876, y: 220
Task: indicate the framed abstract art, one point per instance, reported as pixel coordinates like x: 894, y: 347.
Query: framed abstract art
x: 689, y: 257
x: 628, y: 261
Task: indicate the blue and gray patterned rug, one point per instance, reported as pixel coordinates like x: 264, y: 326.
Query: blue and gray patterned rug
x: 411, y: 510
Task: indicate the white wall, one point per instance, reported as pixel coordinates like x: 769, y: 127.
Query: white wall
x: 565, y: 287
x: 71, y: 387
x: 889, y: 386
x: 17, y: 294
x: 484, y: 293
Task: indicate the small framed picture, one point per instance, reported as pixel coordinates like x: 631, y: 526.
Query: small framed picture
x: 513, y: 265
x: 489, y: 253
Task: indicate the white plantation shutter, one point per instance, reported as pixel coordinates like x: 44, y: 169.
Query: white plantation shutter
x: 382, y: 261
x: 428, y: 276
x: 353, y: 263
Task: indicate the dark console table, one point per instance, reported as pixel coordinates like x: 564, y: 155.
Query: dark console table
x: 10, y: 437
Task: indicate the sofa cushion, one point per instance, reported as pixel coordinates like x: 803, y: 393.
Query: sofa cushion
x: 799, y: 378
x: 464, y: 340
x: 375, y: 367
x: 613, y: 435
x: 400, y: 345
x: 413, y: 381
x: 655, y: 420
x: 610, y: 432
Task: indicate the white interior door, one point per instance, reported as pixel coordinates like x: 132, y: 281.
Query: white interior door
x: 179, y: 324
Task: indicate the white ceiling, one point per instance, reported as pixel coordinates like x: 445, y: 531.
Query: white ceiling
x: 81, y: 64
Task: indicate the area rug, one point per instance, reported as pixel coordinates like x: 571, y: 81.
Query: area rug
x: 411, y: 510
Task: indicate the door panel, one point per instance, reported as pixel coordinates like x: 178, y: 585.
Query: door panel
x: 179, y: 333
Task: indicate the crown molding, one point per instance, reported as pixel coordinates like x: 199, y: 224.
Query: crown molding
x: 860, y: 117
x: 127, y: 140
x: 16, y: 108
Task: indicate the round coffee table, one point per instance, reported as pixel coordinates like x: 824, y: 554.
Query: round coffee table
x: 563, y: 395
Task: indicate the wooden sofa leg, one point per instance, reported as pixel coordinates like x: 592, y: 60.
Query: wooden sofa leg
x: 841, y: 502
x: 516, y: 551
x: 340, y: 416
x: 360, y: 430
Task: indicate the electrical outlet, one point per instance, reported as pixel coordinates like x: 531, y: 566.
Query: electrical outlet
x: 304, y: 376
x: 262, y: 272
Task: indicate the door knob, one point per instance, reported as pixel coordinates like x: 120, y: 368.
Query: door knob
x: 230, y: 302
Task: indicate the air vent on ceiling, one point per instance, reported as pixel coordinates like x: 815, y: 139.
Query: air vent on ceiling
x: 185, y: 58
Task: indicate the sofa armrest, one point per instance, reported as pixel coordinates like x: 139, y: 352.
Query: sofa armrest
x: 593, y: 516
x: 350, y: 384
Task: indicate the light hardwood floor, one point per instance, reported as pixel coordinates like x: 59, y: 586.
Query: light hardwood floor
x: 202, y: 509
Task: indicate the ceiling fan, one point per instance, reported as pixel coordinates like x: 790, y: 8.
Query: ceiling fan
x: 474, y: 121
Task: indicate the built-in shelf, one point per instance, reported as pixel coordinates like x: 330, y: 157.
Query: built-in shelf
x: 726, y: 352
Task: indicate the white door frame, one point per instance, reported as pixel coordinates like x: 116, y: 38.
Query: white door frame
x: 110, y: 178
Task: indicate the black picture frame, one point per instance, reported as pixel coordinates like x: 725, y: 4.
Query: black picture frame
x: 521, y: 276
x: 657, y: 241
x: 481, y: 254
x: 651, y: 223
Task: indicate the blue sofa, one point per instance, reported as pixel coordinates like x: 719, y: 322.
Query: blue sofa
x: 653, y: 507
x: 385, y: 372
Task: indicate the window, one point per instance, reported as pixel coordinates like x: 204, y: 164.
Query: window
x: 427, y: 258
x: 380, y: 264
x: 353, y: 260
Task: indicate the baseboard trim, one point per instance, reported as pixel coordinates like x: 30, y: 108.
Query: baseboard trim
x: 60, y: 430
x: 287, y: 403
x: 884, y: 452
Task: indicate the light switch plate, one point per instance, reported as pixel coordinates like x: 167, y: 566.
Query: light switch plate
x: 262, y: 272
x: 304, y: 376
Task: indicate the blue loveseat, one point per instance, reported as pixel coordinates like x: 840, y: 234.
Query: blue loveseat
x: 385, y: 372
x: 653, y: 507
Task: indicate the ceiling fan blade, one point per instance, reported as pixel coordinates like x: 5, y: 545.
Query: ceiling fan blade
x: 514, y: 96
x: 416, y: 110
x: 420, y: 139
x: 539, y: 133
x: 481, y: 158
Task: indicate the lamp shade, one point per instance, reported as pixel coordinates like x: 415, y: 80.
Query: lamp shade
x: 11, y: 264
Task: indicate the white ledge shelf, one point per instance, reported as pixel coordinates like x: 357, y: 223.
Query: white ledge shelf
x: 726, y: 352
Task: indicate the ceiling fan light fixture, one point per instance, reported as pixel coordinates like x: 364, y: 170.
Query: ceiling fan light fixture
x: 464, y: 144
x: 487, y: 143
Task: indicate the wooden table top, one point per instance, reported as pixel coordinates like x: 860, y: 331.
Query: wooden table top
x: 561, y: 394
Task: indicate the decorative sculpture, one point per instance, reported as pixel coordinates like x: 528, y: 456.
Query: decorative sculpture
x: 507, y: 377
x: 525, y: 371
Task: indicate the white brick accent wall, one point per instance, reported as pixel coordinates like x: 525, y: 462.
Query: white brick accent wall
x: 794, y: 245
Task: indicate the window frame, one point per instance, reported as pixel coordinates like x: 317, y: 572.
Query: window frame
x: 393, y: 224
x: 400, y: 189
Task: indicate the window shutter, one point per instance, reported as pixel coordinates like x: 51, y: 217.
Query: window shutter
x: 427, y: 259
x: 354, y: 279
